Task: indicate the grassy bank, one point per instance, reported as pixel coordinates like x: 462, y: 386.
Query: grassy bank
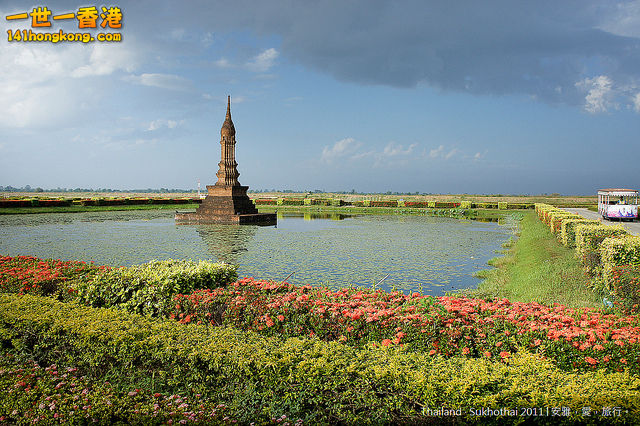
x: 79, y: 209
x: 537, y: 268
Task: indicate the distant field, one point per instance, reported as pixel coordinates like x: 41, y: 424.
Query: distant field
x: 563, y: 200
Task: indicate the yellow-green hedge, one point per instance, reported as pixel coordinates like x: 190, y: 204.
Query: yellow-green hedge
x: 588, y: 241
x: 555, y: 221
x: 568, y: 229
x: 321, y: 383
x: 618, y: 252
x: 465, y: 204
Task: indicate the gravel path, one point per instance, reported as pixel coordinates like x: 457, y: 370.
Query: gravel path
x: 632, y: 227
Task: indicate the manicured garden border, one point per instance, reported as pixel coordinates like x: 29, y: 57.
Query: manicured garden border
x: 319, y: 382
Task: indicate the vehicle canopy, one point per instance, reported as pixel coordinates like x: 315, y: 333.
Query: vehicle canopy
x: 618, y: 192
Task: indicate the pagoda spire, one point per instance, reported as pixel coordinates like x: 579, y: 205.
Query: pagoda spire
x: 227, y: 167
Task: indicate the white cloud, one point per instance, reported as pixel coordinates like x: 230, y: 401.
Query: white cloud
x: 435, y: 153
x: 636, y: 102
x: 223, y: 63
x: 263, y: 61
x: 441, y: 152
x: 164, y: 81
x: 207, y: 39
x: 342, y: 148
x: 600, y: 94
x: 106, y: 59
x: 160, y: 123
x: 392, y: 149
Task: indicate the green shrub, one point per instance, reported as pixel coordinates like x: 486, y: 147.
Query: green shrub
x: 555, y: 223
x: 336, y: 202
x: 366, y: 203
x: 431, y: 204
x: 318, y: 382
x: 588, y: 241
x: 307, y: 201
x: 624, y: 283
x: 149, y: 288
x: 618, y: 252
x: 568, y: 229
x: 502, y: 205
x: 465, y: 204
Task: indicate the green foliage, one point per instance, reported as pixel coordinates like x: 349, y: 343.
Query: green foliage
x: 431, y: 204
x: 618, y: 252
x: 588, y: 241
x: 502, y: 205
x: 318, y: 382
x: 307, y: 201
x: 149, y: 288
x: 624, y: 282
x: 568, y: 230
x: 465, y: 204
x: 36, y: 395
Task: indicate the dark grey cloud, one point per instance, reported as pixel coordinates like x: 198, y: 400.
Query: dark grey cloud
x: 537, y: 48
x: 541, y: 48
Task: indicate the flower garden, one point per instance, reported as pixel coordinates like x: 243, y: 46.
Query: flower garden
x: 188, y: 342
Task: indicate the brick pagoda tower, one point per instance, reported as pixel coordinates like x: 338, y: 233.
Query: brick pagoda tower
x: 227, y: 200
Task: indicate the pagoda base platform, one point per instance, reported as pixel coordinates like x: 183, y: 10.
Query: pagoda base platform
x: 227, y: 204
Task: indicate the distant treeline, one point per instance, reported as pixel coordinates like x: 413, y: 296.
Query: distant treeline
x: 28, y: 188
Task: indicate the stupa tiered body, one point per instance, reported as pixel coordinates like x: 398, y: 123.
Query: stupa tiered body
x: 227, y: 200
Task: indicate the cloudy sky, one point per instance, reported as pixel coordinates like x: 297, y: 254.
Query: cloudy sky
x: 511, y: 97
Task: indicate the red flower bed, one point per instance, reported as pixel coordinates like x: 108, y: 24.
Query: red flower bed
x: 263, y: 201
x: 384, y: 204
x: 15, y: 203
x: 27, y: 274
x: 446, y: 325
x: 417, y: 204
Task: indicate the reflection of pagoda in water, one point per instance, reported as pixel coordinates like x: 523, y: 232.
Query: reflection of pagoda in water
x: 226, y: 243
x: 227, y: 200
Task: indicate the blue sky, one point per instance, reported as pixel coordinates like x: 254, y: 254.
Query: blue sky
x: 432, y: 96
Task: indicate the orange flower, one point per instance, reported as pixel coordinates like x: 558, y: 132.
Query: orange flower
x: 465, y: 351
x: 386, y: 342
x: 432, y: 352
x: 504, y: 354
x: 591, y: 361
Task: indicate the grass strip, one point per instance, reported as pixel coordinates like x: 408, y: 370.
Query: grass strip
x: 537, y: 268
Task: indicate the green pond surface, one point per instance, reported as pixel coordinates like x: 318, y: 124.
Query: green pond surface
x: 414, y: 253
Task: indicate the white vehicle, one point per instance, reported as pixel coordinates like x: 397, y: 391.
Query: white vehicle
x: 618, y: 203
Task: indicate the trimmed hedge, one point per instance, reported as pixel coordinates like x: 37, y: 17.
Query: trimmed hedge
x: 625, y: 287
x: 264, y: 202
x: 390, y: 203
x: 568, y: 230
x: 618, y: 252
x: 149, y: 288
x: 318, y: 382
x: 556, y: 222
x: 588, y: 240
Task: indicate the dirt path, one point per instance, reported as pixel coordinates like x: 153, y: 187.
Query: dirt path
x: 632, y: 227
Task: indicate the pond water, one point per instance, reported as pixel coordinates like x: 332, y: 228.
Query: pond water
x: 432, y: 254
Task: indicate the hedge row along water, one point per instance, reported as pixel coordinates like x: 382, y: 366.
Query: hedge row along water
x: 389, y: 203
x: 35, y: 202
x: 608, y: 253
x: 262, y: 377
